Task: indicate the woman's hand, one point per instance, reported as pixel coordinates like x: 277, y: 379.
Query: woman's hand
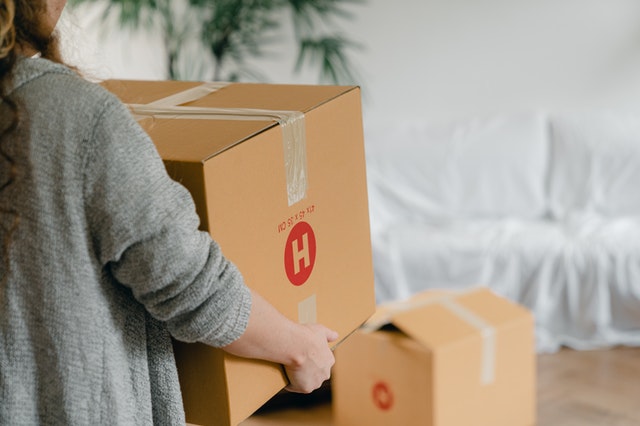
x: 303, y: 350
x: 308, y: 371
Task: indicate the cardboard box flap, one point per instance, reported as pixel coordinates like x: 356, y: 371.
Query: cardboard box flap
x: 434, y: 325
x: 168, y: 136
x: 437, y: 318
x: 301, y: 98
x: 144, y: 92
x: 193, y: 122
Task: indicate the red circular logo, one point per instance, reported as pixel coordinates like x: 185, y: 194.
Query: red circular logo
x: 300, y: 253
x: 382, y: 396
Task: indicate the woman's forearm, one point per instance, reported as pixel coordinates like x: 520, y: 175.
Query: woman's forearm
x: 302, y: 349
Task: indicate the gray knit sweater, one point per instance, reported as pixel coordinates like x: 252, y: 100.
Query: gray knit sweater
x: 106, y: 263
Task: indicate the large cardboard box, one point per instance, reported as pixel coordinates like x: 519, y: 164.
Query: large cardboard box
x: 278, y: 177
x: 439, y: 359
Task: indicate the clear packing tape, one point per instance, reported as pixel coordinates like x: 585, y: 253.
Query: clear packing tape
x: 292, y: 124
x: 446, y: 299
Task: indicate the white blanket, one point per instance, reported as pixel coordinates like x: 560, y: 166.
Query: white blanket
x: 576, y: 278
x: 542, y: 208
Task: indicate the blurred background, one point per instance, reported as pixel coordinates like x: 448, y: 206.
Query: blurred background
x: 413, y: 58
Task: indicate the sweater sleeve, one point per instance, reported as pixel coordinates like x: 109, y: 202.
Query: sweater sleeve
x: 145, y: 232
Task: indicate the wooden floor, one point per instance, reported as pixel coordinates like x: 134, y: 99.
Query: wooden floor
x: 575, y: 388
x: 589, y: 388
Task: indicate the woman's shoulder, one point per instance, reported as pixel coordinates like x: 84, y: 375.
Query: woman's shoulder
x: 54, y: 89
x: 59, y: 84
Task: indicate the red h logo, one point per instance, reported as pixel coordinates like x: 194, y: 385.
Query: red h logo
x: 300, y: 253
x: 382, y: 396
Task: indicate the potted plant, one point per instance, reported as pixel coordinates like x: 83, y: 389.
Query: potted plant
x: 221, y: 35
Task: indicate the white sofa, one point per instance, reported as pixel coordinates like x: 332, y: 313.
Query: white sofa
x: 542, y: 208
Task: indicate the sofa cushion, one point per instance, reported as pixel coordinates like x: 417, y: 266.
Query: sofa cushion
x: 478, y: 168
x: 595, y: 164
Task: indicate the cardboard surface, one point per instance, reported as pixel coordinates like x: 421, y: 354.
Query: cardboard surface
x: 440, y: 359
x: 311, y: 259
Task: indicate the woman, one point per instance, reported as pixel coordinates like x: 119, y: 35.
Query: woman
x: 102, y: 260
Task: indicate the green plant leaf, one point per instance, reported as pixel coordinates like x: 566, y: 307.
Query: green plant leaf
x: 328, y: 53
x: 231, y: 31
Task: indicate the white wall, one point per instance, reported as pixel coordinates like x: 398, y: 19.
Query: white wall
x: 450, y: 57
x: 432, y: 59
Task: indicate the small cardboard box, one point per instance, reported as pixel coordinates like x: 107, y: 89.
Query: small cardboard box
x: 277, y: 173
x: 439, y: 359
